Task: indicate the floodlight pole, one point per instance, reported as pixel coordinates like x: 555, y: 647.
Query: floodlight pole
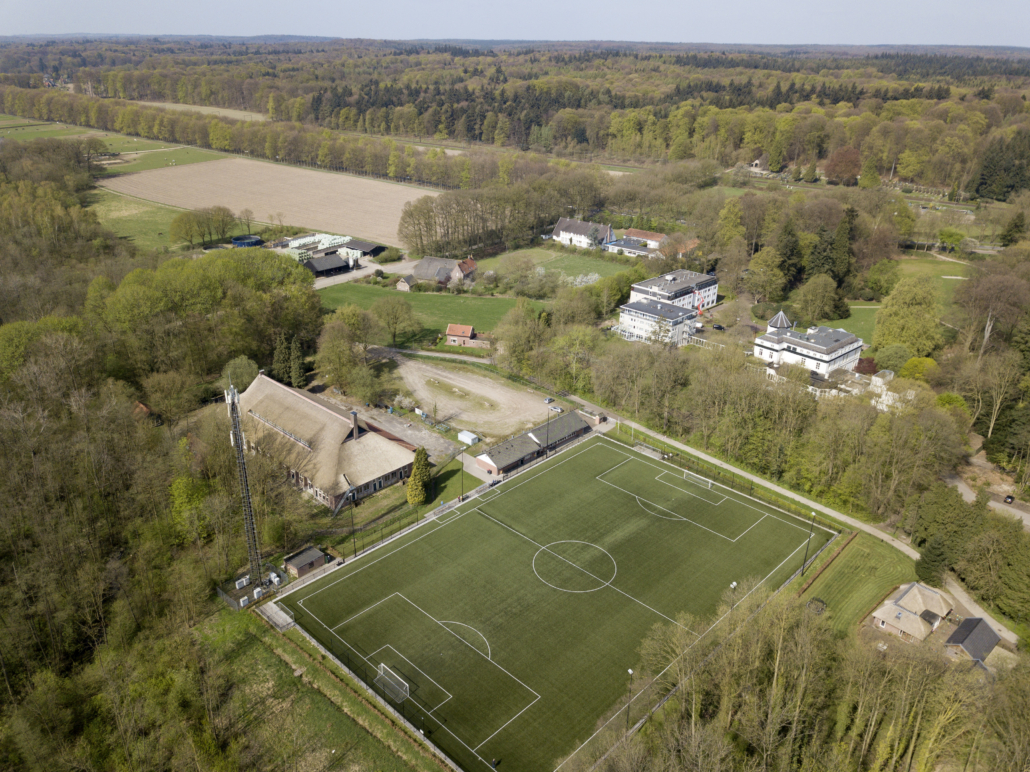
x: 810, y: 530
x: 629, y: 697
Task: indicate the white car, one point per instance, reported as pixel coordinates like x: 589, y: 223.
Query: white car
x: 548, y: 400
x: 556, y: 409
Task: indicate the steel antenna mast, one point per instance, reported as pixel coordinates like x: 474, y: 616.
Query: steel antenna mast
x: 232, y: 399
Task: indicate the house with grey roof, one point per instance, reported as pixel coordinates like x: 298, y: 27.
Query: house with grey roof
x: 442, y: 270
x: 913, y: 612
x: 820, y: 349
x: 688, y: 289
x: 523, y: 448
x: 649, y: 320
x: 586, y: 235
x: 972, y: 640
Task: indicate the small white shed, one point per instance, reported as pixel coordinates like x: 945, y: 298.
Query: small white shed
x: 468, y: 438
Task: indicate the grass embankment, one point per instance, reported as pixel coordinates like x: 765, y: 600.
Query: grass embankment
x: 314, y: 721
x: 144, y: 223
x: 860, y: 576
x: 435, y: 310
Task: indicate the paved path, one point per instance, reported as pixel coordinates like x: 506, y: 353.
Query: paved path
x: 437, y: 354
x: 998, y: 506
x: 403, y: 267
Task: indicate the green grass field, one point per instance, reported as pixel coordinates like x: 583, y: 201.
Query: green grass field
x: 512, y: 620
x: 144, y: 223
x: 862, y: 574
x: 31, y: 130
x: 862, y: 322
x: 936, y: 269
x: 159, y: 159
x: 553, y: 260
x: 118, y: 143
x: 436, y: 310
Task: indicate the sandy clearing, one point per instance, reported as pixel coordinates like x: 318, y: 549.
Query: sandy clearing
x: 337, y: 203
x: 492, y: 409
x: 225, y: 112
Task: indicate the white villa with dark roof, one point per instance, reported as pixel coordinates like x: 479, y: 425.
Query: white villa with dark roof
x: 686, y: 289
x: 586, y: 235
x: 821, y: 349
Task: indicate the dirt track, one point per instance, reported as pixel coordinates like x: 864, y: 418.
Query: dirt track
x: 337, y: 203
x: 491, y: 408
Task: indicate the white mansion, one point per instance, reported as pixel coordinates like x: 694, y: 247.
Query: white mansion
x: 821, y: 349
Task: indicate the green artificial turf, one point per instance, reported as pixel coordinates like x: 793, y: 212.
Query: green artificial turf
x: 513, y: 619
x: 861, y: 575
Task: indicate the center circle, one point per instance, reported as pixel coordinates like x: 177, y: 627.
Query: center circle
x: 574, y: 566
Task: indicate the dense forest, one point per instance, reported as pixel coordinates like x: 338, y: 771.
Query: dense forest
x: 925, y: 119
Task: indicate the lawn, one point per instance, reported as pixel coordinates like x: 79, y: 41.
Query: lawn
x: 311, y: 720
x: 30, y: 130
x: 553, y: 260
x: 159, y: 159
x: 144, y: 223
x: 936, y: 269
x: 862, y: 322
x: 117, y: 143
x: 436, y: 310
x: 508, y: 625
x: 860, y: 576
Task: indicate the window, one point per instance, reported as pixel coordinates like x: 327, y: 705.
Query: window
x: 883, y: 623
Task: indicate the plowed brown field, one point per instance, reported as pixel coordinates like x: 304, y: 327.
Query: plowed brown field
x: 337, y: 203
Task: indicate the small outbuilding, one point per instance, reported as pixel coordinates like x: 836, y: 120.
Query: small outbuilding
x: 973, y: 640
x: 304, y: 562
x: 405, y: 284
x: 468, y: 438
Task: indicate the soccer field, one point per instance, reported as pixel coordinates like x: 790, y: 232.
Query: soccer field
x: 511, y: 621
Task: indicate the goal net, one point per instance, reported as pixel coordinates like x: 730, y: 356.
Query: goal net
x: 697, y: 479
x: 396, y: 688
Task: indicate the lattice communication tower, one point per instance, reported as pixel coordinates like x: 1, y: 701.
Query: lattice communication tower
x: 232, y: 400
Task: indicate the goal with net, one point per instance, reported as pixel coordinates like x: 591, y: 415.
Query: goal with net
x: 396, y: 688
x: 697, y: 479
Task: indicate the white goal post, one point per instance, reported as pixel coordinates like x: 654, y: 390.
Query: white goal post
x: 697, y: 479
x: 391, y: 683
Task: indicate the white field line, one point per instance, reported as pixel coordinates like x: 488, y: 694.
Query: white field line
x: 714, y: 625
x: 675, y: 516
x: 470, y: 627
x: 423, y: 672
x: 689, y: 492
x: 729, y: 495
x: 597, y: 578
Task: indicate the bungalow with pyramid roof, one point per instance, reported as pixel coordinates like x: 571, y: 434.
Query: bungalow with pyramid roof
x: 819, y: 349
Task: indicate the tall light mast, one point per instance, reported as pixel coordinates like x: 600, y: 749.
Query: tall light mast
x: 232, y: 400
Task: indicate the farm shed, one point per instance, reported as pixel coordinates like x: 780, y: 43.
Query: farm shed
x: 467, y: 437
x: 330, y: 265
x: 304, y: 562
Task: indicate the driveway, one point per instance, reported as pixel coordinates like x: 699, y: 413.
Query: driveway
x: 403, y: 267
x: 998, y: 506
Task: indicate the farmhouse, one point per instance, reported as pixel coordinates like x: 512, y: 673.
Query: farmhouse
x: 464, y: 335
x: 586, y: 235
x: 649, y: 320
x: 973, y: 640
x: 913, y: 612
x: 523, y: 448
x: 821, y: 349
x: 304, y: 562
x: 443, y: 271
x: 687, y: 289
x: 333, y: 456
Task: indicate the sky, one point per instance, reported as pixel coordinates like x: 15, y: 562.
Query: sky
x: 828, y: 22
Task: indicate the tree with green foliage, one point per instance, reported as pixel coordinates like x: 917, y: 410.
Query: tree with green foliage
x: 418, y: 483
x: 765, y: 280
x: 792, y: 258
x: 933, y: 562
x: 297, y: 379
x: 730, y: 222
x: 811, y: 173
x: 817, y: 299
x: 1014, y: 230
x: 240, y: 372
x: 950, y: 237
x: 870, y: 177
x: 909, y: 315
x: 883, y: 276
x: 396, y: 316
x: 918, y: 368
x: 843, y: 258
x: 893, y: 357
x: 281, y: 358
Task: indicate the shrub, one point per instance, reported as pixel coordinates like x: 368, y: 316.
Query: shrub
x: 893, y: 357
x: 391, y: 255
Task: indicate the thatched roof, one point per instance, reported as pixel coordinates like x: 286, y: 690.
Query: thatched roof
x: 316, y: 440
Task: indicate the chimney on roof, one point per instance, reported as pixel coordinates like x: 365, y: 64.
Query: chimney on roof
x: 354, y: 423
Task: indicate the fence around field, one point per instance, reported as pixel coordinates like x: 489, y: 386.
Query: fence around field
x: 672, y: 455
